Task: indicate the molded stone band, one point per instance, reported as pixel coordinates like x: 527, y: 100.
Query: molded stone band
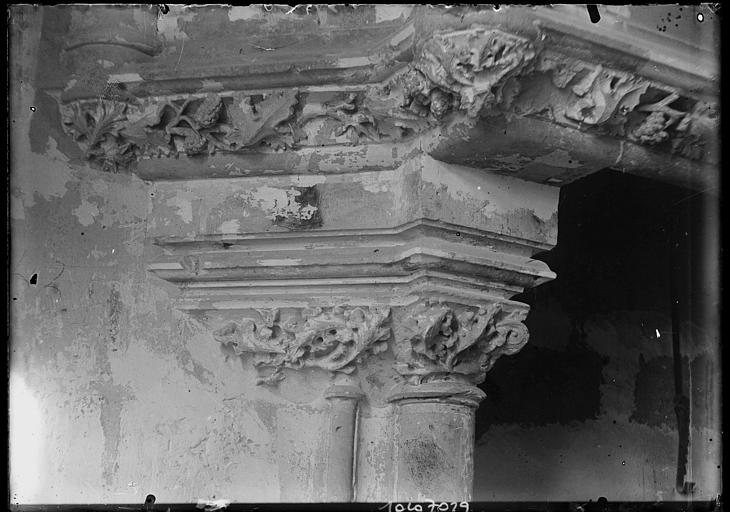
x: 344, y: 392
x: 442, y: 392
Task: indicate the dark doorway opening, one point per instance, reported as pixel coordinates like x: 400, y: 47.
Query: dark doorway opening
x: 627, y: 246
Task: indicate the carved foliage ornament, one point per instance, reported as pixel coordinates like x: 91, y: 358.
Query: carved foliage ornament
x: 114, y: 133
x: 97, y: 128
x: 621, y: 104
x: 334, y: 340
x: 454, y: 76
x: 475, y: 65
x: 456, y: 72
x: 440, y: 341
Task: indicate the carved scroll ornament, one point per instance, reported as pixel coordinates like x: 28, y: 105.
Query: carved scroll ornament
x: 439, y: 341
x: 334, y: 340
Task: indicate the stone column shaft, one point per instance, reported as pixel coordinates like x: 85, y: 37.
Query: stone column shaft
x: 434, y: 443
x: 342, y: 439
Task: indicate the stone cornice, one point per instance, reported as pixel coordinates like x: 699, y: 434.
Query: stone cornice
x: 455, y: 79
x: 394, y: 266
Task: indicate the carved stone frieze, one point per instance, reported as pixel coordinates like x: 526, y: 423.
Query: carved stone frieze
x: 458, y: 72
x: 598, y: 96
x: 114, y: 133
x: 611, y: 102
x: 454, y: 76
x: 438, y: 341
x: 334, y: 340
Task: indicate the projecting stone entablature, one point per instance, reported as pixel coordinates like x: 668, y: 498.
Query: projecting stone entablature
x: 534, y: 100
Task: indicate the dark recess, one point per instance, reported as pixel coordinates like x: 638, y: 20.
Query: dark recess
x: 614, y: 231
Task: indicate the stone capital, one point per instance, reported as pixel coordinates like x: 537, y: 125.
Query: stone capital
x: 439, y: 342
x: 333, y: 339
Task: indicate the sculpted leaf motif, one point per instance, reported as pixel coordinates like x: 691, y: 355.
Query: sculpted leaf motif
x: 96, y: 127
x: 604, y: 94
x: 333, y: 340
x: 474, y: 64
x: 436, y: 340
x: 91, y: 127
x: 140, y: 131
x: 248, y: 336
x: 252, y: 123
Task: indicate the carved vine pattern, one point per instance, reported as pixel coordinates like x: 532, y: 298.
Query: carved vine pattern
x: 440, y: 341
x: 335, y: 340
x: 455, y: 76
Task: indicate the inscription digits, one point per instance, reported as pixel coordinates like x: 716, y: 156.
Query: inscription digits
x: 431, y: 506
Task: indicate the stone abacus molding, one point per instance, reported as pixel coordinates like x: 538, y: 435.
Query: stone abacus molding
x: 455, y: 77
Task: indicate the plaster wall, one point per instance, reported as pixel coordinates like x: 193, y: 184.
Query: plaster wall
x: 113, y: 393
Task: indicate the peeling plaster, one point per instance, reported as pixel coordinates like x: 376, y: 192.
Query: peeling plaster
x: 48, y: 174
x: 86, y: 212
x: 281, y: 203
x: 183, y: 203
